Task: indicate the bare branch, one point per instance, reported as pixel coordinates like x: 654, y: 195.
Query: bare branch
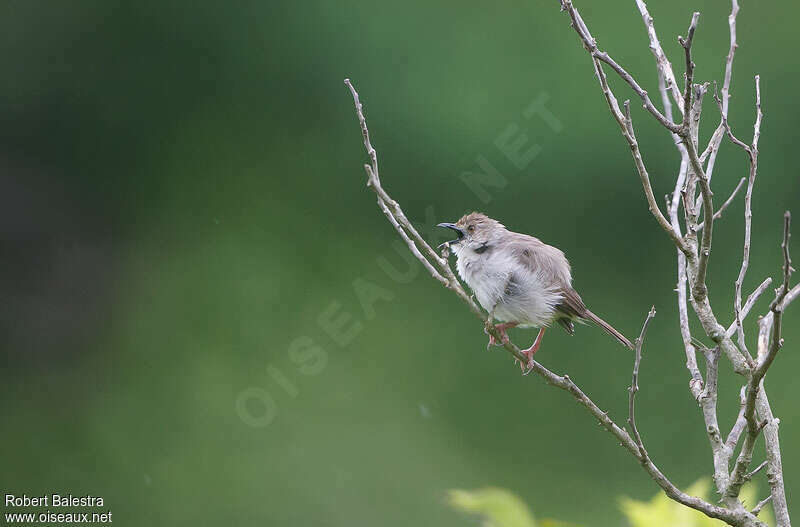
x: 737, y: 478
x: 716, y: 138
x: 776, y: 307
x: 726, y: 84
x: 373, y: 155
x: 696, y: 382
x: 696, y: 262
x: 666, y: 74
x: 713, y: 511
x: 374, y: 182
x: 760, y: 505
x: 699, y: 289
x: 791, y: 296
x: 591, y: 46
x: 694, y: 266
x: 689, y: 131
x: 431, y: 260
x: 624, y: 120
x: 752, y: 152
x: 708, y: 404
x: 787, y: 262
x: 738, y: 426
x: 755, y: 471
x: 723, y: 112
x: 634, y: 387
x: 774, y: 464
x: 748, y: 305
x: 626, y: 126
x: 759, y: 116
x: 689, y: 75
x: 718, y: 214
x: 409, y: 242
x: 768, y: 349
x: 689, y: 135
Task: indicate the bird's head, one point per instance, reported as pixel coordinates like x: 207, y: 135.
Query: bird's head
x: 475, y: 231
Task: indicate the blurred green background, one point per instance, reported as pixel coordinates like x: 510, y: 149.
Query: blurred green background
x: 183, y: 199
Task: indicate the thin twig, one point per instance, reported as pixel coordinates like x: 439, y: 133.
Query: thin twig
x: 748, y: 305
x: 626, y: 126
x: 664, y: 67
x: 776, y: 307
x: 591, y: 46
x: 699, y: 289
x: 634, y: 387
x: 787, y: 261
x: 723, y: 112
x: 374, y: 182
x: 737, y: 478
x: 759, y: 115
x: 696, y: 381
x: 767, y: 352
x: 716, y: 138
x: 689, y: 75
x: 738, y: 425
x: 760, y: 505
x: 764, y: 411
x: 755, y: 471
x: 718, y: 214
x: 688, y: 132
x: 752, y: 153
x: 772, y: 447
x: 409, y: 242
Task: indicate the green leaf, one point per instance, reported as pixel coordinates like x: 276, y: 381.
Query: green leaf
x: 661, y: 511
x: 498, y: 507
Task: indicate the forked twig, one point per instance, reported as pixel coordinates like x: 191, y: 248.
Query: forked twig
x: 634, y: 387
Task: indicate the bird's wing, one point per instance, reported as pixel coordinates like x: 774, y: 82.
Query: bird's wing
x: 550, y: 263
x: 545, y: 260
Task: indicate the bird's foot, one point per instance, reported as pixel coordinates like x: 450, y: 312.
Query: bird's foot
x: 526, y: 368
x: 494, y: 342
x: 500, y: 328
x: 530, y: 352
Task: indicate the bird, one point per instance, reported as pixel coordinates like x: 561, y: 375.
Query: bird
x: 519, y: 280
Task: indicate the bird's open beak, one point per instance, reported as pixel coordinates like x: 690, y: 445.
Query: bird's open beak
x: 455, y: 228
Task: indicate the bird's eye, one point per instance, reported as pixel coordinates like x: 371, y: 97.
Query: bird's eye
x: 471, y: 228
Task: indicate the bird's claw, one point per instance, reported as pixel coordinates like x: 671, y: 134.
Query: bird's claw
x: 529, y: 365
x: 492, y: 340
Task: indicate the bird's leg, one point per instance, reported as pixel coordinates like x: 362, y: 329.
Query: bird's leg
x: 530, y: 352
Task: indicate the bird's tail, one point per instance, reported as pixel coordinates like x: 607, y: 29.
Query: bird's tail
x: 608, y: 328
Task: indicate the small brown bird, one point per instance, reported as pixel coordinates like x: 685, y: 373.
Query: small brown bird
x: 519, y: 280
